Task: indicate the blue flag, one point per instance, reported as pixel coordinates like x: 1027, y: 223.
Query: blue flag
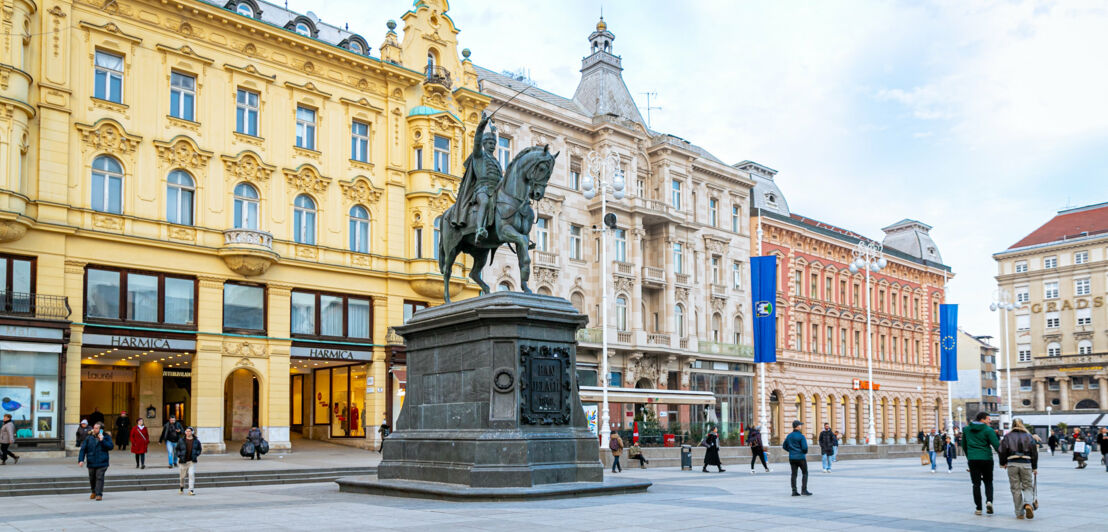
x: 763, y: 280
x: 948, y: 342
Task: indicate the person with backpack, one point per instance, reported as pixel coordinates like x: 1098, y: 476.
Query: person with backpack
x: 615, y: 444
x: 1020, y: 456
x: 171, y: 434
x: 255, y: 438
x: 711, y: 453
x: 757, y: 450
x: 978, y: 442
x: 94, y: 453
x: 188, y: 452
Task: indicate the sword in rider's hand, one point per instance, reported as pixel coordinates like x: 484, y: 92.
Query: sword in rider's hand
x: 509, y: 100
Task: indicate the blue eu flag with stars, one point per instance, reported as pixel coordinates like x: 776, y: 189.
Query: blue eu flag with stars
x: 948, y: 342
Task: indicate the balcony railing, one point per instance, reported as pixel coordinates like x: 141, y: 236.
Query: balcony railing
x: 719, y: 289
x: 546, y: 258
x: 653, y: 275
x: 623, y: 268
x: 623, y: 337
x: 28, y: 305
x: 657, y: 339
x: 1066, y: 360
x: 248, y: 236
x: 439, y: 75
x: 681, y: 278
x: 719, y: 348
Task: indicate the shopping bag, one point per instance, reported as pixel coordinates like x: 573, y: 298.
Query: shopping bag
x: 924, y: 459
x: 1079, y: 447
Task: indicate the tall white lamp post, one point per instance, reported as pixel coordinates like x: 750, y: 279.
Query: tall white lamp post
x: 603, y: 177
x: 870, y: 257
x: 1049, y: 427
x: 1002, y: 304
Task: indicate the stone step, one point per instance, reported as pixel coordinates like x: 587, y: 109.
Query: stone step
x: 671, y: 456
x: 168, y: 481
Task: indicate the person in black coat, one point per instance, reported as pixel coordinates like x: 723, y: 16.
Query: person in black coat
x: 827, y: 443
x: 255, y: 438
x: 94, y: 453
x: 95, y: 417
x: 82, y: 432
x: 122, y: 430
x: 757, y: 450
x: 711, y: 454
x: 1052, y: 442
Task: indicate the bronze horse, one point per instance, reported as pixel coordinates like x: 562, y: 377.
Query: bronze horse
x: 524, y: 182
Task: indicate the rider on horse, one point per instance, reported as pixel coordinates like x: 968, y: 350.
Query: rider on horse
x: 482, y: 175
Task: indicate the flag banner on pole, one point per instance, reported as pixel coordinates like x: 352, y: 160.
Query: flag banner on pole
x: 763, y: 280
x: 948, y: 342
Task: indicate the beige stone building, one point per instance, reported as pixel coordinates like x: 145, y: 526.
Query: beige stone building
x: 976, y: 388
x: 1056, y: 338
x: 679, y: 327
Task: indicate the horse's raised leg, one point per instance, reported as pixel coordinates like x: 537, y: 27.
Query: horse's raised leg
x: 446, y: 266
x: 480, y: 258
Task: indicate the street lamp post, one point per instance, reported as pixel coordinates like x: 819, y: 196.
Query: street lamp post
x: 870, y: 257
x: 603, y: 177
x: 1049, y: 427
x: 1002, y: 303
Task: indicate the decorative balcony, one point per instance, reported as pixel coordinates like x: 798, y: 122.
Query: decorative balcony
x: 653, y: 277
x: 720, y: 348
x: 623, y: 268
x: 681, y: 278
x: 438, y: 75
x: 658, y: 339
x: 719, y: 289
x: 248, y: 252
x: 1069, y: 360
x: 545, y: 258
x: 38, y: 306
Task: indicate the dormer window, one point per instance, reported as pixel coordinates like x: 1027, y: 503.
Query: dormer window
x: 356, y: 47
x: 303, y: 29
x: 245, y: 9
x: 771, y: 199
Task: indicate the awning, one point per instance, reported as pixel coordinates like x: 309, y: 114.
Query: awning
x: 400, y: 374
x: 595, y: 394
x: 1072, y: 420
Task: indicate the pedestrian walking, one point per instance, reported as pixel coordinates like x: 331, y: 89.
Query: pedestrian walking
x: 123, y: 430
x: 83, y: 431
x: 140, y: 441
x: 1080, y: 450
x: 7, y: 438
x: 835, y: 453
x: 615, y: 444
x: 797, y: 447
x: 255, y: 437
x: 171, y: 434
x: 950, y: 451
x: 1052, y: 442
x: 96, y: 416
x: 757, y: 450
x: 978, y: 442
x: 711, y: 451
x: 932, y: 444
x: 635, y: 453
x: 188, y: 451
x: 94, y: 454
x: 1020, y: 456
x: 1102, y: 441
x: 827, y: 442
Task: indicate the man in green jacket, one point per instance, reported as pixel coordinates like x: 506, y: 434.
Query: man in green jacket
x: 977, y: 438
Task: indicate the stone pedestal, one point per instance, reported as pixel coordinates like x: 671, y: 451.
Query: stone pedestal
x: 492, y: 398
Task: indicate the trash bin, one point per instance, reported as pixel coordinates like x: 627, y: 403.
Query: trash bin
x: 686, y: 457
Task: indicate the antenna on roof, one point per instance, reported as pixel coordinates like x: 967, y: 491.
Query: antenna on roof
x: 650, y: 107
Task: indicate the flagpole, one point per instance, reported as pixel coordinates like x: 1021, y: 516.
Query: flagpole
x: 762, y: 366
x: 949, y: 384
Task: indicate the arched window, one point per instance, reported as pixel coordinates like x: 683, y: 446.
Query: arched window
x: 245, y: 9
x: 1085, y: 347
x: 178, y: 196
x: 303, y: 220
x: 437, y: 235
x: 1087, y: 404
x: 1053, y: 349
x: 504, y: 287
x: 430, y: 60
x: 303, y: 29
x: 246, y: 207
x: 107, y: 185
x: 578, y: 301
x: 621, y: 313
x: 679, y: 320
x: 544, y: 291
x: 739, y: 330
x: 717, y: 328
x: 359, y: 229
x: 356, y: 47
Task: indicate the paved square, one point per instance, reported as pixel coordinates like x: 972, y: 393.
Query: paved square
x: 859, y: 495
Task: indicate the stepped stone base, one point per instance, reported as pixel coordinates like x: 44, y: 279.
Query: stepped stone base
x: 372, y: 485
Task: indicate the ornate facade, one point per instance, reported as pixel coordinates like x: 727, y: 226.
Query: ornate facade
x: 235, y: 202
x: 821, y: 324
x: 679, y: 328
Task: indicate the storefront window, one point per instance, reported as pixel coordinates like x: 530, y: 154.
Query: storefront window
x: 338, y: 316
x: 303, y: 313
x: 733, y: 402
x: 330, y: 315
x: 102, y: 294
x: 142, y: 297
x: 340, y: 400
x: 29, y: 391
x: 322, y: 396
x: 243, y: 307
x: 357, y: 318
x: 179, y: 301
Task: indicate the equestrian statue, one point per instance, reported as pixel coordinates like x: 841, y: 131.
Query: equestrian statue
x: 493, y: 208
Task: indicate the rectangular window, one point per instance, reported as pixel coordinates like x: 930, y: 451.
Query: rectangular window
x: 828, y: 293
x: 305, y: 128
x: 542, y: 234
x: 1081, y: 257
x: 102, y: 289
x: 1052, y: 320
x: 1050, y: 290
x: 574, y: 178
x: 678, y: 258
x: 1084, y: 316
x: 442, y: 154
x: 736, y: 219
x: 857, y: 342
x: 359, y: 141
x: 1094, y: 384
x: 504, y: 152
x: 1023, y: 295
x: 798, y: 280
x: 842, y: 342
x: 736, y: 275
x: 815, y: 338
x: 139, y: 297
x: 1021, y: 266
x: 799, y: 336
x: 246, y: 112
x: 675, y: 194
x: 1081, y: 287
x: 417, y: 242
x: 243, y: 307
x: 142, y: 297
x: 1024, y: 353
x: 1050, y: 262
x: 842, y: 292
x: 1023, y: 323
x: 411, y: 307
x: 303, y: 313
x: 179, y: 303
x: 713, y: 211
x: 1077, y: 383
x: 620, y: 237
x: 855, y: 299
x: 182, y: 96
x: 829, y: 342
x: 16, y: 285
x: 813, y: 287
x: 108, y: 84
x: 1052, y: 384
x: 575, y: 242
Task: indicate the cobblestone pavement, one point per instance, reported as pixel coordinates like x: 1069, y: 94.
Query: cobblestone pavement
x: 859, y: 495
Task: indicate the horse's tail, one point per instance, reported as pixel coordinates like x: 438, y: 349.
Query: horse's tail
x: 444, y: 231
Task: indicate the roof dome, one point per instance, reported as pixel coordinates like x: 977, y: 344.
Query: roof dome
x: 601, y: 26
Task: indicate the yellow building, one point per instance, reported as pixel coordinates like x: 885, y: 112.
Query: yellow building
x: 217, y: 211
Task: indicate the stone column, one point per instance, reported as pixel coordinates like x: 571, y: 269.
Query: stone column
x: 1103, y: 380
x: 1064, y: 386
x: 1040, y: 393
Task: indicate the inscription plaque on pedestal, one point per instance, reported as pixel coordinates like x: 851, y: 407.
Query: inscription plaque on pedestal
x: 545, y: 385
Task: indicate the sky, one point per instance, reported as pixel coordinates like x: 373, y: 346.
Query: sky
x: 981, y: 119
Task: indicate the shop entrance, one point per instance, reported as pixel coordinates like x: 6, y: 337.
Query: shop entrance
x: 327, y: 398
x: 150, y: 384
x: 240, y: 404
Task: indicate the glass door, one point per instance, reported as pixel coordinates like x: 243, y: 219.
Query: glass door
x: 340, y: 402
